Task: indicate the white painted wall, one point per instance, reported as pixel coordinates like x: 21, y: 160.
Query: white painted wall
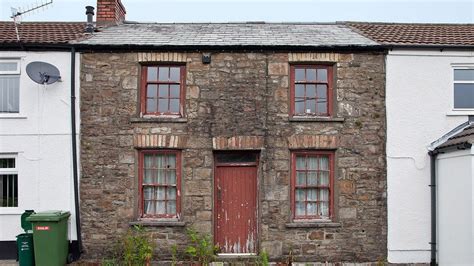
x: 455, y: 172
x: 41, y: 136
x: 419, y: 102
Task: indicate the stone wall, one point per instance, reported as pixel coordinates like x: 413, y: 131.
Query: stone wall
x: 238, y: 101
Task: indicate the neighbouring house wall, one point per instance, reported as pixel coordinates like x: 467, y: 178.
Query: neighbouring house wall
x: 40, y: 135
x: 419, y: 111
x: 455, y: 207
x: 243, y: 97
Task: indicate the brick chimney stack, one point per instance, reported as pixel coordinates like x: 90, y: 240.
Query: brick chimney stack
x: 110, y: 12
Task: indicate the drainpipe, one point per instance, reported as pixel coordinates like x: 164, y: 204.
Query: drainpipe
x: 74, y: 152
x: 433, y: 155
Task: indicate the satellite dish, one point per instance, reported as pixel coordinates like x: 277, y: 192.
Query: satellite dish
x: 42, y: 73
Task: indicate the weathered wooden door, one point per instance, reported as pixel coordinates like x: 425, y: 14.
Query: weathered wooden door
x: 236, y: 206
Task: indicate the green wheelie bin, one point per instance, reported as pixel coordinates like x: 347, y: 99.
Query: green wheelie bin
x: 50, y: 230
x: 24, y: 242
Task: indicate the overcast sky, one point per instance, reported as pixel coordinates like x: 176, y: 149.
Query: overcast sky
x: 435, y: 11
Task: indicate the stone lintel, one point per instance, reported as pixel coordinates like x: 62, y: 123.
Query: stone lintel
x: 238, y: 143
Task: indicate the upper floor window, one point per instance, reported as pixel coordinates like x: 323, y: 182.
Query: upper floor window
x: 312, y: 185
x: 464, y: 88
x: 8, y: 181
x: 9, y: 86
x: 311, y: 90
x: 162, y: 90
x: 160, y: 179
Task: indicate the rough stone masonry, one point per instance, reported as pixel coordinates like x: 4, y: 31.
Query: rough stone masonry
x: 238, y: 101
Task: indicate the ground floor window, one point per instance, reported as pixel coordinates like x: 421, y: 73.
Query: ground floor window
x: 160, y: 180
x: 8, y: 181
x: 312, y: 184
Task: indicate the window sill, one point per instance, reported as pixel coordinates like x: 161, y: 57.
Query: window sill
x: 12, y: 116
x: 460, y: 112
x: 157, y: 119
x: 316, y: 119
x: 10, y: 211
x: 312, y: 224
x: 158, y: 223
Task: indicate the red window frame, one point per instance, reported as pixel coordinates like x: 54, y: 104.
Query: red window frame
x: 144, y: 87
x: 330, y: 155
x: 142, y: 185
x: 328, y: 83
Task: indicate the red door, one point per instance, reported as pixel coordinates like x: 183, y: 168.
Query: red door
x: 236, y: 207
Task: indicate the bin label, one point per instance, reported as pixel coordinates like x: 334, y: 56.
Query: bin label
x: 42, y: 228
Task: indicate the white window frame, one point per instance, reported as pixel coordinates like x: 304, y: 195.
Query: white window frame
x: 459, y: 111
x: 13, y: 72
x: 11, y: 171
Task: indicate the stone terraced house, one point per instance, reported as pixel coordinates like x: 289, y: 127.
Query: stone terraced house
x: 266, y: 136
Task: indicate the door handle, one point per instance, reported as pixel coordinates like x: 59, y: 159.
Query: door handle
x: 219, y: 196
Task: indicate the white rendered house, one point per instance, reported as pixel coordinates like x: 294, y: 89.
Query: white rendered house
x: 36, y: 158
x: 429, y: 91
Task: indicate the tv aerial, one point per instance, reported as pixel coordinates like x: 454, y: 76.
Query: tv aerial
x: 43, y: 73
x: 17, y: 13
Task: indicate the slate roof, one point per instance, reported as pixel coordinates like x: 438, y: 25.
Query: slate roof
x: 41, y: 32
x: 408, y: 34
x: 465, y: 136
x: 230, y: 34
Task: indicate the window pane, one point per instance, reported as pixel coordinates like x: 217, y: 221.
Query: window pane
x: 323, y: 75
x: 151, y: 91
x: 9, y: 94
x: 311, y: 208
x: 300, y: 195
x: 148, y: 193
x: 171, y: 177
x: 7, y: 162
x: 152, y: 73
x: 163, y: 91
x: 464, y: 95
x: 171, y: 161
x: 324, y: 178
x: 322, y: 107
x: 311, y: 106
x: 9, y: 190
x: 163, y: 73
x: 311, y: 74
x: 322, y: 91
x: 171, y: 193
x: 323, y: 209
x: 301, y: 178
x: 171, y: 207
x: 312, y: 163
x: 8, y: 66
x: 323, y: 163
x: 160, y: 193
x: 149, y: 207
x: 174, y: 105
x: 236, y: 157
x: 311, y: 195
x: 174, y: 91
x: 160, y: 207
x: 324, y: 194
x: 149, y: 176
x: 160, y: 161
x: 163, y: 105
x: 310, y: 91
x: 161, y: 176
x: 300, y: 208
x: 299, y: 74
x: 150, y: 105
x: 312, y: 178
x: 300, y: 162
x: 299, y: 106
x: 299, y: 90
x: 464, y: 74
x: 174, y: 74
